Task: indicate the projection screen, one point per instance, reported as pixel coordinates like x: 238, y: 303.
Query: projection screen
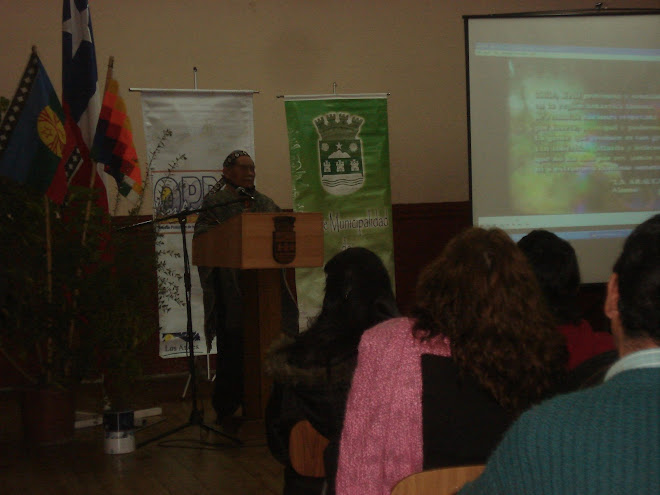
x: 564, y: 127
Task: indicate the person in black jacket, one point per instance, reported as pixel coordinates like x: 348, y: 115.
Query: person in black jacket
x: 222, y: 297
x: 312, y: 372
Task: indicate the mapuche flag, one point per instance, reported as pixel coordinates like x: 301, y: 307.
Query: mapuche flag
x: 36, y: 145
x: 113, y: 142
x: 80, y: 94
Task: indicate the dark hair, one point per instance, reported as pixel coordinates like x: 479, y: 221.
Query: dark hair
x: 556, y: 267
x: 358, y: 295
x: 233, y: 156
x: 482, y: 294
x: 638, y: 270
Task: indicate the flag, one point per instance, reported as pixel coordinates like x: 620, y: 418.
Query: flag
x: 34, y: 143
x: 340, y: 167
x: 80, y: 94
x: 113, y: 143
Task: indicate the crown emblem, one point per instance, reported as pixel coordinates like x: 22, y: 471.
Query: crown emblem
x: 340, y: 152
x: 338, y: 126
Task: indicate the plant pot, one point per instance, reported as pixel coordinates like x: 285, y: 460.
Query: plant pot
x: 48, y: 416
x: 119, y: 427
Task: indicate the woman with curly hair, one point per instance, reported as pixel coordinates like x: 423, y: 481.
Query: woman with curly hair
x: 440, y: 388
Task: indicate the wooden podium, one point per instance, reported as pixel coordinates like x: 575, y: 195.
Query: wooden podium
x: 252, y: 242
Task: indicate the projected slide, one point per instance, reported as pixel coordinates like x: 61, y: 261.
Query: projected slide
x: 577, y: 145
x: 565, y: 126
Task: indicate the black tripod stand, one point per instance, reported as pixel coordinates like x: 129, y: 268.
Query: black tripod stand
x: 196, y: 415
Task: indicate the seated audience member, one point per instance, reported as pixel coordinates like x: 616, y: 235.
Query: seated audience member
x: 312, y: 372
x: 605, y: 439
x: 440, y: 389
x: 556, y: 267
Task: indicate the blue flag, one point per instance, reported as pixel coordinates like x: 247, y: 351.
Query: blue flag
x: 33, y: 135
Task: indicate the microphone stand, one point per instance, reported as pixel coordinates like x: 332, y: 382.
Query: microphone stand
x: 197, y: 415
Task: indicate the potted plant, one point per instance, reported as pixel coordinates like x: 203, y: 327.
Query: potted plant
x: 77, y: 301
x: 78, y: 298
x: 141, y: 285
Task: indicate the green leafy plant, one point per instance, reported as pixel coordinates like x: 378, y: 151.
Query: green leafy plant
x: 78, y: 298
x: 46, y: 310
x: 147, y: 283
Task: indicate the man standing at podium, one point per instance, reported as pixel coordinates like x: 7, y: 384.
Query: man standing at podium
x: 222, y: 287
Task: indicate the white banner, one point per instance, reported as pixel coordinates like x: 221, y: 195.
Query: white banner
x: 205, y: 126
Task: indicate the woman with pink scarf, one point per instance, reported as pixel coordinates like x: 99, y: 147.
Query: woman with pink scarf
x: 440, y: 388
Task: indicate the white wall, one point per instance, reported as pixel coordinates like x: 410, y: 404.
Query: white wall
x: 413, y: 49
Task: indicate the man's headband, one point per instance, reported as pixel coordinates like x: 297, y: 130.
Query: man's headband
x: 233, y: 156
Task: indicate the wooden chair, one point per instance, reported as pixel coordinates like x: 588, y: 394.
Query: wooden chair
x: 442, y: 481
x: 306, y: 447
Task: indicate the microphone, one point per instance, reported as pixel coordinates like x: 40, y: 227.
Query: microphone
x: 243, y: 192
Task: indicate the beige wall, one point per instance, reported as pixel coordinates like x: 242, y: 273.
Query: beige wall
x: 412, y: 49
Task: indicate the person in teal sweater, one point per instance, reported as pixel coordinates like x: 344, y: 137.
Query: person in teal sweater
x: 606, y: 439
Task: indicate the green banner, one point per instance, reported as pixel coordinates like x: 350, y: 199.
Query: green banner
x: 340, y: 166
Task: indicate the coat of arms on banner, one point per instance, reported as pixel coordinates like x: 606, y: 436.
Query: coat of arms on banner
x: 340, y: 152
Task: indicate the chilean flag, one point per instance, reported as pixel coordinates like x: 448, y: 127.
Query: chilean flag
x: 80, y: 93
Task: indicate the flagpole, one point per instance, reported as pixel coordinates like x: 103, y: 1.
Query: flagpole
x: 49, y: 269
x: 88, y: 209
x: 49, y: 251
x: 94, y: 171
x: 49, y: 280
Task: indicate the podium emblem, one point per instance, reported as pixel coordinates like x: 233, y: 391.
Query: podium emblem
x: 284, y: 240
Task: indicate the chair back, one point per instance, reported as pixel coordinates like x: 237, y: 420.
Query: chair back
x: 442, y: 481
x: 306, y: 447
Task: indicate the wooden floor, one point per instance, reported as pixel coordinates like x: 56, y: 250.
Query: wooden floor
x: 191, y: 461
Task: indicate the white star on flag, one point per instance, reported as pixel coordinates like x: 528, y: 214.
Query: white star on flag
x: 78, y: 18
